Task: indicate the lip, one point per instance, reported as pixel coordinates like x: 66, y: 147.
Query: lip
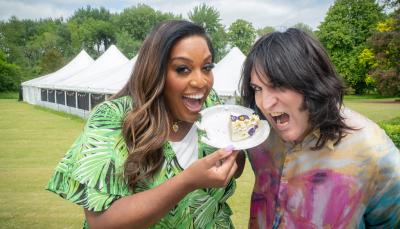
x: 190, y: 107
x: 280, y: 127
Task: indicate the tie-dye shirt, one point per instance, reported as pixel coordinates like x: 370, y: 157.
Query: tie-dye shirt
x: 354, y: 184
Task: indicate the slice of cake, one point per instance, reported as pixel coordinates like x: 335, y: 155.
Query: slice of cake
x: 243, y: 126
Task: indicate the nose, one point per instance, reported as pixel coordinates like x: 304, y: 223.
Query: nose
x: 268, y: 101
x: 198, y: 79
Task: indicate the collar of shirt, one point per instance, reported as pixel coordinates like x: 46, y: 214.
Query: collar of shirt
x: 308, y: 142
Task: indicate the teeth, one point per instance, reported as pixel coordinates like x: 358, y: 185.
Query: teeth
x: 197, y: 96
x: 274, y: 114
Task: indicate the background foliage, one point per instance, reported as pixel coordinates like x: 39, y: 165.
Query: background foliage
x: 361, y: 36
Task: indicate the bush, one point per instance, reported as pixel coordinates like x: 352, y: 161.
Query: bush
x: 392, y: 129
x: 387, y: 81
x: 10, y: 75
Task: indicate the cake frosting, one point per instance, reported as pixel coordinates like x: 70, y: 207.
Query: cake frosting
x: 243, y: 126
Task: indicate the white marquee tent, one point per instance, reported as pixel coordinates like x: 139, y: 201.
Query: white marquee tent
x: 111, y: 81
x: 78, y: 92
x: 31, y: 90
x: 227, y: 74
x: 112, y: 58
x: 83, y: 83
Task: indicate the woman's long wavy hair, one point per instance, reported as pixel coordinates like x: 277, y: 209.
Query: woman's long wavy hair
x: 296, y: 61
x: 146, y: 127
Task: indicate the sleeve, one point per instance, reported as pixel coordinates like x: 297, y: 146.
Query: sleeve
x: 383, y: 211
x: 91, y: 172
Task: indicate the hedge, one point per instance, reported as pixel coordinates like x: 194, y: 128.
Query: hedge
x: 392, y: 128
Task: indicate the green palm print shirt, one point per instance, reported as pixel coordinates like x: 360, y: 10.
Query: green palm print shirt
x: 90, y: 173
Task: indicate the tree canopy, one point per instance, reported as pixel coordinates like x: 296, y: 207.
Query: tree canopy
x: 209, y: 18
x: 344, y: 32
x: 361, y: 38
x: 242, y: 34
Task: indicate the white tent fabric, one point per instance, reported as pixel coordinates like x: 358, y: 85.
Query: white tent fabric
x: 227, y: 73
x: 111, y: 81
x: 110, y: 59
x: 31, y: 92
x: 79, y: 63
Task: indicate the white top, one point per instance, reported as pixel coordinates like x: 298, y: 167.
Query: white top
x: 186, y: 150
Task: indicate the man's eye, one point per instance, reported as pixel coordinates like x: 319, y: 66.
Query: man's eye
x: 208, y: 67
x: 256, y: 89
x: 182, y: 70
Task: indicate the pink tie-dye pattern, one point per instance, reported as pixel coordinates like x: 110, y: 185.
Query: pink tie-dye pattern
x: 265, y: 189
x: 332, y: 196
x: 319, y: 198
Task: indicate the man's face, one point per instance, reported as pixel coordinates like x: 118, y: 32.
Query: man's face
x: 282, y: 108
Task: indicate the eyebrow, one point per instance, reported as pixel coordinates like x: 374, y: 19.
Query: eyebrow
x: 181, y: 58
x: 187, y: 59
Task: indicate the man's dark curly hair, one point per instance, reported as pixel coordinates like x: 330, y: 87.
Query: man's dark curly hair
x: 296, y: 61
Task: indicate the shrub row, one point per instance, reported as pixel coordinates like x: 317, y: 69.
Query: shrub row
x: 392, y: 128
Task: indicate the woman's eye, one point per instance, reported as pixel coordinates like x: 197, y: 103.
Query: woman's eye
x: 182, y: 70
x: 208, y: 67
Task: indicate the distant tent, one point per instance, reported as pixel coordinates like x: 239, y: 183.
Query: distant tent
x: 76, y: 89
x: 227, y: 75
x: 31, y: 91
x: 111, y: 81
x: 73, y: 94
x: 110, y: 59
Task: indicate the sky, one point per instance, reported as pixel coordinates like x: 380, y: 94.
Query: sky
x: 277, y: 13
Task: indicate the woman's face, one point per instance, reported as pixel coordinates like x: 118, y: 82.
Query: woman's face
x: 282, y: 107
x: 189, y: 78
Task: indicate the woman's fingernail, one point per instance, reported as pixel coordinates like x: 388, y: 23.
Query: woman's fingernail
x: 229, y: 148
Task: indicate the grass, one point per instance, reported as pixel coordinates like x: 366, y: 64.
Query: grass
x: 375, y: 108
x: 33, y: 139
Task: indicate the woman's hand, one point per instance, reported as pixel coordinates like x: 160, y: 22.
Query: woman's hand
x: 214, y: 170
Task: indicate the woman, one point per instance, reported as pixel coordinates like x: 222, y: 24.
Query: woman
x: 135, y: 164
x: 323, y: 165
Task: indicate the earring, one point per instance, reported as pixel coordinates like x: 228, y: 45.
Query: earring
x: 175, y: 127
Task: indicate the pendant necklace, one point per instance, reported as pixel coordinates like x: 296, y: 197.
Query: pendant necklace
x: 175, y: 126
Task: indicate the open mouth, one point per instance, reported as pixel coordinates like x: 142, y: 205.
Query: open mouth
x: 281, y: 119
x: 193, y: 102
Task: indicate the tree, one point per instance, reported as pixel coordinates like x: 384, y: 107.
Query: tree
x: 51, y: 61
x: 133, y: 25
x: 26, y: 42
x: 344, y: 32
x: 128, y: 45
x: 10, y: 75
x: 92, y: 30
x: 265, y: 30
x: 138, y: 21
x: 15, y: 34
x: 385, y: 45
x: 304, y: 27
x: 242, y: 35
x: 208, y: 17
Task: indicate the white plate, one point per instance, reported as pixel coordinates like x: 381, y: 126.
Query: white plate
x: 215, y: 121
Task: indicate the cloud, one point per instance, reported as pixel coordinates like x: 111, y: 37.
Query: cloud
x: 27, y: 10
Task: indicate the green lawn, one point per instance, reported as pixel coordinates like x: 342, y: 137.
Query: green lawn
x: 34, y: 139
x: 374, y: 108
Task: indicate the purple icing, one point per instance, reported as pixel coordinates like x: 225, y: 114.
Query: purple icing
x: 233, y: 118
x: 252, y: 131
